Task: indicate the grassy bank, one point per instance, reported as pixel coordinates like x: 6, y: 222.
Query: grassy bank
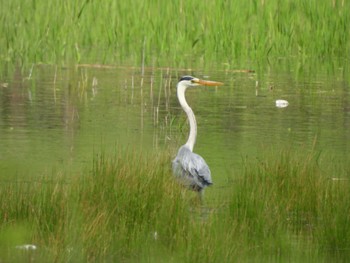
x: 105, y: 32
x: 128, y: 208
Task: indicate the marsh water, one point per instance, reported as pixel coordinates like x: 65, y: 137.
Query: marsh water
x: 56, y: 119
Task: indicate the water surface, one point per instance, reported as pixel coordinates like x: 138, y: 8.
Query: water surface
x: 55, y: 119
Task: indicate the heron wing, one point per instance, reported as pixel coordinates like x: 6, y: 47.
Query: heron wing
x: 199, y: 168
x: 193, y: 167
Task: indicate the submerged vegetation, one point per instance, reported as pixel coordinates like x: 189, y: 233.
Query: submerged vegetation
x: 128, y: 208
x: 97, y: 32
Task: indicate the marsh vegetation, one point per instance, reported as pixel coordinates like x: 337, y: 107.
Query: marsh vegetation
x: 89, y: 124
x: 126, y: 207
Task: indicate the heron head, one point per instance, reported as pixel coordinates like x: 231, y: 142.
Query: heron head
x: 190, y: 81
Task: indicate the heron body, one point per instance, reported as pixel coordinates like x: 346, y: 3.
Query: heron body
x: 189, y: 167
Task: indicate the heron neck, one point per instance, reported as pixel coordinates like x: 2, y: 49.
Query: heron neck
x: 192, y: 119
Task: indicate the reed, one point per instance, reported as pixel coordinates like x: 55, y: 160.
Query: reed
x: 108, y: 212
x: 93, y: 32
x: 287, y: 204
x: 128, y: 208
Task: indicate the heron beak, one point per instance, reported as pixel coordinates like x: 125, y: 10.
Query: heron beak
x: 208, y: 82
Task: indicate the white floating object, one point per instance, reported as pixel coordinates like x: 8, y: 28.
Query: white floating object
x: 155, y: 235
x: 281, y: 103
x: 27, y: 247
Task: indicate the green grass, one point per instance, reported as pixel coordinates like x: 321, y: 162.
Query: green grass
x: 109, y: 31
x: 290, y: 195
x: 128, y: 208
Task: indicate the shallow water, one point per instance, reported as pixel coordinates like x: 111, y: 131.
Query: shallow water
x: 57, y: 119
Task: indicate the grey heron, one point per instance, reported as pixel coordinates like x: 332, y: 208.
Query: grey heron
x: 188, y: 166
